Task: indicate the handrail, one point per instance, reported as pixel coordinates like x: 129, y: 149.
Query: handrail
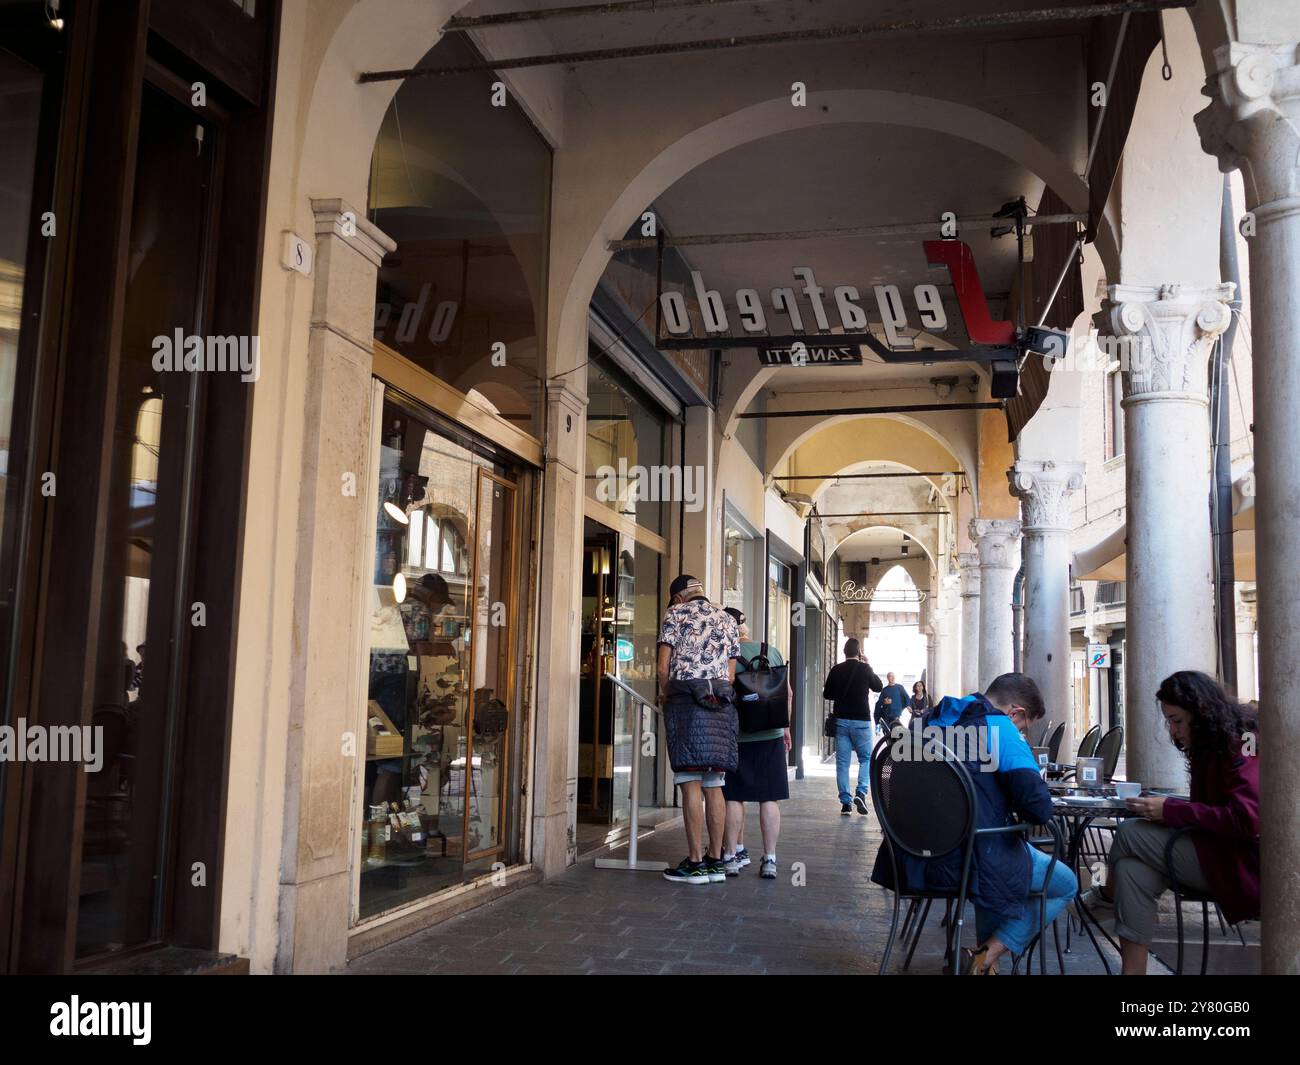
x: 634, y: 824
x: 631, y: 691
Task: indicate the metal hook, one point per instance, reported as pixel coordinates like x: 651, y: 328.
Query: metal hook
x: 1166, y: 71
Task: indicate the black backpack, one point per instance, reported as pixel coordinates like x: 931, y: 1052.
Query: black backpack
x: 762, y: 701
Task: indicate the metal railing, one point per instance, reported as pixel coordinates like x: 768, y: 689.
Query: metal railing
x: 634, y: 824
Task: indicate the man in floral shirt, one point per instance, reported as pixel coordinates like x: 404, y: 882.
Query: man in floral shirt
x: 698, y: 646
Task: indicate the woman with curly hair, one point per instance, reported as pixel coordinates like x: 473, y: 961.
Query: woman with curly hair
x: 1221, y: 853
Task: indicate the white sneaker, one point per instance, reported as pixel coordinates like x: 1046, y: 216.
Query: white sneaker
x: 1100, y: 908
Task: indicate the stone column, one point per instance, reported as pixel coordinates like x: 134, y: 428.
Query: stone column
x: 325, y: 695
x: 997, y: 540
x: 1253, y: 123
x: 1044, y: 488
x: 931, y: 633
x: 947, y: 665
x: 969, y: 564
x: 1247, y: 681
x: 555, y: 757
x: 1163, y: 335
x: 702, y: 520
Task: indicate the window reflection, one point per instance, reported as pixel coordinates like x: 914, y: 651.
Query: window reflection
x: 463, y: 187
x: 441, y: 692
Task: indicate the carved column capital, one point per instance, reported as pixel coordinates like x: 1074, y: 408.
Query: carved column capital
x: 1253, y: 121
x: 996, y: 539
x: 1044, y: 487
x: 969, y: 564
x: 1162, y: 335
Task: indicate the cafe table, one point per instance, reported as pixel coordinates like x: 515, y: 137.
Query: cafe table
x: 1076, y: 808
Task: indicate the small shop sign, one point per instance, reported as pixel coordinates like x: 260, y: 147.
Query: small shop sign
x: 803, y: 355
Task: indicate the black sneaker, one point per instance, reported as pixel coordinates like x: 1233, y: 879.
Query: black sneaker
x: 860, y: 803
x: 716, y: 870
x: 846, y: 808
x: 742, y: 857
x: 689, y: 872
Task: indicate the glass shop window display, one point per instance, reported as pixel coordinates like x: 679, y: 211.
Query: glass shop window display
x: 438, y: 699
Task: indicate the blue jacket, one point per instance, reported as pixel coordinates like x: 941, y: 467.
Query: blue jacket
x: 899, y: 702
x: 1000, y: 866
x: 701, y: 726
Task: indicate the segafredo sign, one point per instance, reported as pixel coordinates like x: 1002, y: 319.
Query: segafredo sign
x: 845, y: 302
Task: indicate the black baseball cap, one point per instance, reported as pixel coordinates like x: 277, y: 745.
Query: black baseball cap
x: 738, y: 615
x: 682, y: 582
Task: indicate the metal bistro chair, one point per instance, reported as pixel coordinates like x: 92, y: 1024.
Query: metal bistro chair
x: 1054, y: 742
x: 1040, y: 734
x: 1094, y: 848
x: 1185, y: 894
x: 1087, y: 748
x: 926, y: 808
x: 1108, y: 750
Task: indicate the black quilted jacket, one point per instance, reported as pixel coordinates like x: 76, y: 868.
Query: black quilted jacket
x: 700, y: 725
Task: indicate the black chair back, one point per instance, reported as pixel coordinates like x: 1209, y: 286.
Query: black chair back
x: 926, y: 807
x: 1038, y: 738
x: 1108, y: 750
x: 1054, y: 742
x: 1088, y: 745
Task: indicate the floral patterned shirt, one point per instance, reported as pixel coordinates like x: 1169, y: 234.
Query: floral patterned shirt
x: 703, y: 638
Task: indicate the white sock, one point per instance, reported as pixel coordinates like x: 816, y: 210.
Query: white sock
x: 769, y: 857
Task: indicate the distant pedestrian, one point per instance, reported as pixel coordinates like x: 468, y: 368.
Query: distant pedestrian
x: 698, y: 646
x: 920, y: 701
x: 891, y: 704
x: 760, y: 774
x: 849, y: 684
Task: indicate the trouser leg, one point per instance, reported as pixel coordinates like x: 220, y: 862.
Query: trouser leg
x: 1138, y: 877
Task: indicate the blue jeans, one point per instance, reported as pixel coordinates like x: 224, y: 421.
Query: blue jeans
x: 1019, y: 932
x: 852, y: 736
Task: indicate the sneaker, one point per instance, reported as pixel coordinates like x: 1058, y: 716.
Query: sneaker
x: 846, y: 808
x: 860, y: 803
x: 1100, y: 908
x: 732, y: 865
x: 689, y: 872
x: 768, y: 869
x: 717, y: 869
x: 742, y: 856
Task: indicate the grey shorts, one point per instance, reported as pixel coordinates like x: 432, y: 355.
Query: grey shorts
x: 707, y: 780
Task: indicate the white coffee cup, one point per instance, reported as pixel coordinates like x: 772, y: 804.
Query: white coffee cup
x: 1127, y: 789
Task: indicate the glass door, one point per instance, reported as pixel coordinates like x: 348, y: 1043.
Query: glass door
x: 127, y: 826
x: 493, y: 636
x: 443, y: 698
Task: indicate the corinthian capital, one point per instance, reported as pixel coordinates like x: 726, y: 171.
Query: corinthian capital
x: 1043, y: 487
x: 969, y: 564
x: 1253, y: 121
x: 1163, y: 334
x: 996, y: 539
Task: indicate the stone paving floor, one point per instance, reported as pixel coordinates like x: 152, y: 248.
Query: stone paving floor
x: 822, y: 915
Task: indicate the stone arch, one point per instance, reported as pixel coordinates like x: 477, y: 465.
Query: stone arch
x: 867, y: 106
x: 926, y: 443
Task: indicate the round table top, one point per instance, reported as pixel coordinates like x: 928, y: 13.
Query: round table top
x: 1100, y: 806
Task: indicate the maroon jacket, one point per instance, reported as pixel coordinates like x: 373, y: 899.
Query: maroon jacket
x: 1224, y: 811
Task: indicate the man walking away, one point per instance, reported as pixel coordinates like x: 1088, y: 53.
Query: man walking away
x: 850, y: 683
x: 698, y: 647
x: 891, y: 704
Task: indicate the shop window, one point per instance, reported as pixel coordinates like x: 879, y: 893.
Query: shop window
x: 21, y: 88
x: 780, y: 593
x: 462, y: 186
x: 444, y: 678
x: 626, y: 445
